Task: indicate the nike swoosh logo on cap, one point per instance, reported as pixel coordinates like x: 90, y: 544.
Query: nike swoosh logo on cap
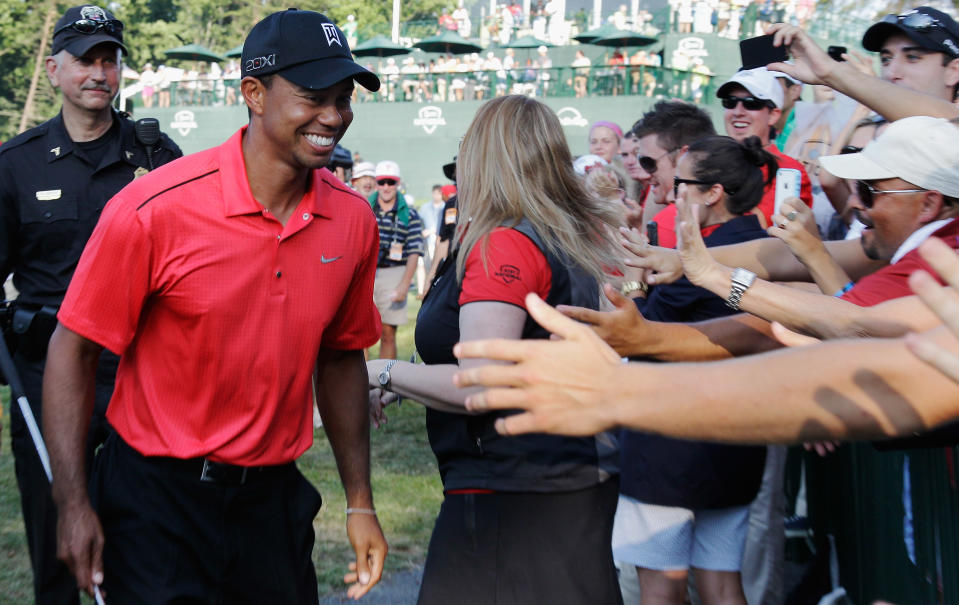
x: 325, y: 260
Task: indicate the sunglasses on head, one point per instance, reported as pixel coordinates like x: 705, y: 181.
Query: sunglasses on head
x: 389, y: 182
x: 649, y: 164
x: 750, y: 103
x: 90, y: 26
x: 920, y: 21
x: 867, y: 193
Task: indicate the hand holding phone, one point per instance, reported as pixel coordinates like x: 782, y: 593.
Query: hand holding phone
x: 760, y: 52
x: 836, y: 52
x: 788, y: 183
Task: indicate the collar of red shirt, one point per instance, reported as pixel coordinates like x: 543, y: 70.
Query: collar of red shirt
x: 238, y: 199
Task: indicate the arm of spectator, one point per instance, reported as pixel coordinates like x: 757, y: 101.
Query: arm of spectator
x: 821, y: 315
x: 576, y: 385
x: 768, y: 258
x: 630, y: 335
x: 813, y: 66
x: 796, y: 226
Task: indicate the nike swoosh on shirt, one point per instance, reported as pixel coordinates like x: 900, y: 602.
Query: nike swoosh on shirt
x: 325, y: 260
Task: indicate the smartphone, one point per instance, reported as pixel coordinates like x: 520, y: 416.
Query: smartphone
x: 652, y: 233
x: 788, y: 182
x: 760, y: 52
x: 836, y: 52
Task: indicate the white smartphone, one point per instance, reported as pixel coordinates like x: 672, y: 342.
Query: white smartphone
x: 788, y: 182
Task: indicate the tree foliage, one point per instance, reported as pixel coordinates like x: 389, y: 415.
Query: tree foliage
x: 152, y: 26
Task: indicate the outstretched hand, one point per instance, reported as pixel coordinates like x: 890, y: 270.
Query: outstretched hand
x: 564, y: 385
x: 622, y: 329
x: 698, y: 264
x: 943, y: 301
x: 659, y: 265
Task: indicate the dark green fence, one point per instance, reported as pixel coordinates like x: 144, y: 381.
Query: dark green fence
x: 895, y: 516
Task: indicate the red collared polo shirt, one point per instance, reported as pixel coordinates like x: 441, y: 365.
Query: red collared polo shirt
x: 218, y: 310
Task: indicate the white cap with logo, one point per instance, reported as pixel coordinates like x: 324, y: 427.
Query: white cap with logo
x: 920, y: 150
x: 388, y: 169
x: 760, y: 83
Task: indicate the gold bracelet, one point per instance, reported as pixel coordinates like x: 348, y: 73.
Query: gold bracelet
x: 633, y: 286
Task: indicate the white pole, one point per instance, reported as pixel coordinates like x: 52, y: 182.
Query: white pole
x: 597, y: 13
x: 396, y: 21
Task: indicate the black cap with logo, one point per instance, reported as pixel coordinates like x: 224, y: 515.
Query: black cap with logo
x: 929, y: 28
x: 304, y: 47
x: 83, y: 27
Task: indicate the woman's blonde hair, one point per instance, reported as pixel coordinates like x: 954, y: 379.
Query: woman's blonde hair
x: 514, y: 163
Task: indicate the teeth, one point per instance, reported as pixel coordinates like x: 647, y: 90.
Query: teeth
x: 318, y: 140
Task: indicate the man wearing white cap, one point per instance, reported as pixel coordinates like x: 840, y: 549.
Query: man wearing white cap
x: 401, y: 245
x: 753, y: 102
x: 364, y: 179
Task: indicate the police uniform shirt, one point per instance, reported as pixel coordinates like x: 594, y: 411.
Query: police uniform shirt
x: 51, y: 196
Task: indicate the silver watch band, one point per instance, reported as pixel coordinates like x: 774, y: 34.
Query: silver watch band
x: 741, y: 280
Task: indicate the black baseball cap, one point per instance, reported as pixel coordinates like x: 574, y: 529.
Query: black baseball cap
x: 931, y: 29
x: 83, y: 27
x: 304, y: 47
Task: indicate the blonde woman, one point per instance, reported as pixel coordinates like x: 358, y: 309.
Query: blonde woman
x: 525, y: 519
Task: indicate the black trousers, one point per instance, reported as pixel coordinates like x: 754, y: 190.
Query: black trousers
x: 172, y: 538
x: 53, y: 584
x: 523, y: 549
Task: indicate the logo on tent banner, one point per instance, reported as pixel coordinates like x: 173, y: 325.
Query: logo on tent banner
x: 430, y: 117
x: 570, y: 116
x: 183, y: 121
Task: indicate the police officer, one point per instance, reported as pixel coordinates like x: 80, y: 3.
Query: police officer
x: 54, y: 181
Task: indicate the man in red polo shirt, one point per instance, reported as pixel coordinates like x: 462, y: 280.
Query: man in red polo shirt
x: 229, y: 282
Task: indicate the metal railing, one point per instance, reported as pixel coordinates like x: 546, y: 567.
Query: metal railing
x: 437, y: 87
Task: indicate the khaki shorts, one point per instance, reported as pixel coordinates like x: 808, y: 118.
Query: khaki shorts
x: 387, y: 279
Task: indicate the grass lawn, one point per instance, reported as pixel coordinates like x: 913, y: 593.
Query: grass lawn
x: 406, y: 487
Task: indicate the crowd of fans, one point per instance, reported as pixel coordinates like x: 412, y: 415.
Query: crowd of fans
x: 694, y: 239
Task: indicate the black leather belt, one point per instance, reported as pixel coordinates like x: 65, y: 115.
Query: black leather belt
x: 208, y: 471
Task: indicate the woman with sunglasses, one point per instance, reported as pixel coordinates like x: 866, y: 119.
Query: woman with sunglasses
x: 525, y: 519
x: 683, y: 504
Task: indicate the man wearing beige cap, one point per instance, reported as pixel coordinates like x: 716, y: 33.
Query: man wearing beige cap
x: 364, y: 179
x: 401, y: 245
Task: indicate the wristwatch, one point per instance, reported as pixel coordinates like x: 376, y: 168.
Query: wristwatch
x: 742, y: 279
x: 384, y: 377
x: 634, y: 286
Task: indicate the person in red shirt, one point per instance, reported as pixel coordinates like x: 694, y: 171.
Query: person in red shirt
x: 229, y: 283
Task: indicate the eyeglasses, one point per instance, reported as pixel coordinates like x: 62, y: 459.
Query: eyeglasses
x: 90, y: 26
x: 387, y: 182
x: 849, y: 149
x: 867, y: 192
x: 750, y: 103
x: 651, y: 164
